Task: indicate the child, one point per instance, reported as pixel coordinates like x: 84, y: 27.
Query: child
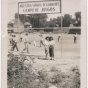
x: 14, y: 43
x: 20, y: 37
x: 34, y: 43
x: 41, y: 40
x: 75, y: 38
x: 10, y: 39
x: 26, y: 43
x: 46, y: 44
x: 51, y: 47
x: 59, y: 37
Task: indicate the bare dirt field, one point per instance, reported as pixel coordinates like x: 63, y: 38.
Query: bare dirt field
x: 67, y: 54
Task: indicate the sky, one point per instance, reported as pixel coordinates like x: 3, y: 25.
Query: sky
x: 68, y: 7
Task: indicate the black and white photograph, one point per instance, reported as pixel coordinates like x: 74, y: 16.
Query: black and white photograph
x: 43, y: 44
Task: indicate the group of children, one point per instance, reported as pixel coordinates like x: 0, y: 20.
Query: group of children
x: 48, y: 42
x: 13, y: 42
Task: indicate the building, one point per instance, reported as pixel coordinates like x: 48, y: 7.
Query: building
x: 15, y: 25
x: 75, y: 30
x: 27, y: 26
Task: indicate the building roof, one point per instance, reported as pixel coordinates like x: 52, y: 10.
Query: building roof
x: 27, y: 23
x: 15, y: 21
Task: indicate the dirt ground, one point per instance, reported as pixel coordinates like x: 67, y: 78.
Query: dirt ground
x: 67, y: 54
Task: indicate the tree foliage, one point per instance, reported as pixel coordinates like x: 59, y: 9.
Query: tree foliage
x: 78, y: 18
x: 52, y: 22
x: 16, y: 16
x: 37, y: 20
x: 40, y: 20
x: 67, y: 19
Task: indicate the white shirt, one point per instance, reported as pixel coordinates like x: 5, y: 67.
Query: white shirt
x: 42, y: 39
x: 34, y: 42
x: 20, y: 35
x: 52, y: 42
x: 10, y: 38
x: 46, y: 43
x: 15, y: 39
x: 26, y: 39
x: 76, y: 35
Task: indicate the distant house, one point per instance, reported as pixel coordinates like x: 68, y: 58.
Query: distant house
x: 17, y: 26
x: 15, y: 23
x: 28, y: 26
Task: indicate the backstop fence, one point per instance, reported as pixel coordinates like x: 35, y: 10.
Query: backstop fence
x: 66, y: 30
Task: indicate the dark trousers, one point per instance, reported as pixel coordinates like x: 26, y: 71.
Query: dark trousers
x: 10, y: 42
x: 26, y: 47
x: 15, y: 46
x: 51, y: 51
x: 41, y: 43
x: 75, y: 40
x: 20, y: 39
x: 58, y: 38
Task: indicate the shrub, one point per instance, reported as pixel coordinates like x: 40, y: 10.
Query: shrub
x: 73, y: 78
x: 21, y: 76
x: 53, y: 69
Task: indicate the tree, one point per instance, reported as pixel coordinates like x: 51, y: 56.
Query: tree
x: 23, y: 18
x: 52, y: 22
x: 59, y: 21
x: 78, y: 15
x: 16, y: 16
x: 40, y: 20
x: 73, y: 20
x: 37, y: 20
x: 78, y: 18
x: 67, y: 20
